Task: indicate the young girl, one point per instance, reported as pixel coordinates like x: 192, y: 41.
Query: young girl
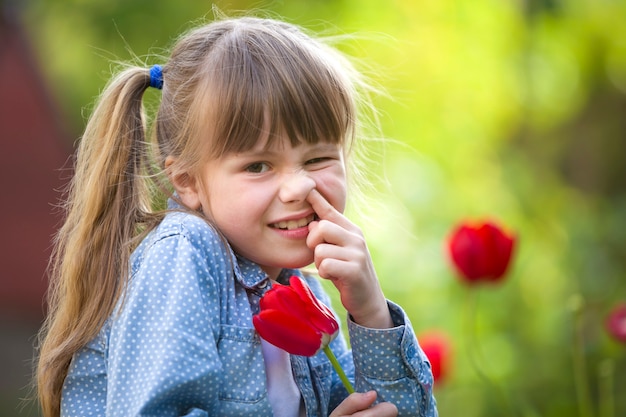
x: 151, y: 311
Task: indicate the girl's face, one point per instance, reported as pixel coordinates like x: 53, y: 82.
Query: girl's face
x: 258, y: 199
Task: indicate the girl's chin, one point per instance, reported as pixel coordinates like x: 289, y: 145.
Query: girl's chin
x: 288, y: 263
x: 295, y: 264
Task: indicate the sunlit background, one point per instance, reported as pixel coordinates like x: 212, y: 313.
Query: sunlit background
x: 513, y: 110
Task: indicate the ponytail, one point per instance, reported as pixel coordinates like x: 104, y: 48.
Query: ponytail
x: 107, y: 202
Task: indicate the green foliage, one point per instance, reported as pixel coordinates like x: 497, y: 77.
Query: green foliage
x: 508, y: 109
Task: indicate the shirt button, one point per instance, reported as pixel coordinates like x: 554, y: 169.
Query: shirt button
x: 410, y: 352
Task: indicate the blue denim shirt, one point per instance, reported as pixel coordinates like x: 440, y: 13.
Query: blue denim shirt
x: 181, y: 342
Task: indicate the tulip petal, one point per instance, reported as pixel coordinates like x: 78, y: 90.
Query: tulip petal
x: 319, y: 314
x: 616, y: 323
x: 464, y: 247
x: 288, y: 332
x: 293, y: 319
x: 481, y: 252
x: 281, y: 297
x: 501, y: 247
x: 437, y: 348
x: 284, y: 298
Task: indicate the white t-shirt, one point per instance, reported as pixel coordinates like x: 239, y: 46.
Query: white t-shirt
x: 283, y: 393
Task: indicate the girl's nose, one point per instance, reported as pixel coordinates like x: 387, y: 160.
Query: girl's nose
x: 296, y: 187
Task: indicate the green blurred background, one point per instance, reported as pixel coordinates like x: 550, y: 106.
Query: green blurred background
x: 508, y: 109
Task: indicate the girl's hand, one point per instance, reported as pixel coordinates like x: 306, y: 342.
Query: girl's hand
x: 360, y: 403
x: 341, y: 255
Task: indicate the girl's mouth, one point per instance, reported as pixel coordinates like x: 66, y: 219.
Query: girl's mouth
x: 294, y: 224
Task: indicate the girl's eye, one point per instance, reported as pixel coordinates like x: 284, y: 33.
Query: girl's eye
x: 317, y: 160
x: 257, y: 168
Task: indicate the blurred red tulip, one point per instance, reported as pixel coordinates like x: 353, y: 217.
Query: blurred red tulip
x: 437, y: 348
x: 292, y: 319
x: 616, y: 323
x: 481, y: 251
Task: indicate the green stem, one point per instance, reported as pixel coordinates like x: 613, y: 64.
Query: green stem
x: 338, y: 369
x: 580, y: 365
x: 605, y: 384
x: 475, y: 355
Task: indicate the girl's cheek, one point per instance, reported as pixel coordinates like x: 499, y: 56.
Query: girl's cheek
x: 333, y: 188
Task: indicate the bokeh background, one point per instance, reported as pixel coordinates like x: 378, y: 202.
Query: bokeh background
x: 507, y: 109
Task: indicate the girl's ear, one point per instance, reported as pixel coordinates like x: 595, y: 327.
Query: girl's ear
x: 186, y: 186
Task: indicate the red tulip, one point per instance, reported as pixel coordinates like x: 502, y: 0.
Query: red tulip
x: 292, y: 319
x: 436, y: 346
x: 616, y: 323
x: 481, y: 251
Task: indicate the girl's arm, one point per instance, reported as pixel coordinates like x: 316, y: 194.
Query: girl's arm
x: 341, y: 256
x: 162, y: 353
x: 387, y: 357
x: 388, y: 361
x: 391, y: 362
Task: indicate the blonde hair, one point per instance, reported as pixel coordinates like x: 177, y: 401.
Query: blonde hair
x: 225, y: 84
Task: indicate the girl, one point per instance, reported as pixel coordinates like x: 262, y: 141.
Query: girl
x: 151, y: 310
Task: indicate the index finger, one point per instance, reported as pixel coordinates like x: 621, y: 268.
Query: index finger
x: 323, y: 209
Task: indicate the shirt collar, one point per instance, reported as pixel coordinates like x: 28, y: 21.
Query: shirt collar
x: 249, y: 274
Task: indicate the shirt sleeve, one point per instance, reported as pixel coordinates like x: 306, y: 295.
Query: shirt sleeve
x: 391, y: 362
x: 162, y: 357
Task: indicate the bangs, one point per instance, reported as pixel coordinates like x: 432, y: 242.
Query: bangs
x: 263, y: 83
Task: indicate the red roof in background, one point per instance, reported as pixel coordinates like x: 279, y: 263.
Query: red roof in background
x: 34, y: 148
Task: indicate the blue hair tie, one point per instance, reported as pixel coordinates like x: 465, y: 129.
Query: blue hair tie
x: 156, y: 77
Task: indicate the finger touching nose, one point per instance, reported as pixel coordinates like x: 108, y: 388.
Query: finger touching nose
x: 326, y: 211
x: 322, y: 207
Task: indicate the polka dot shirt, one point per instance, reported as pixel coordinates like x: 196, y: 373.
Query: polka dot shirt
x: 181, y: 341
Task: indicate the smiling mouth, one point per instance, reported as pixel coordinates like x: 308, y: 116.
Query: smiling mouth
x: 294, y: 224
